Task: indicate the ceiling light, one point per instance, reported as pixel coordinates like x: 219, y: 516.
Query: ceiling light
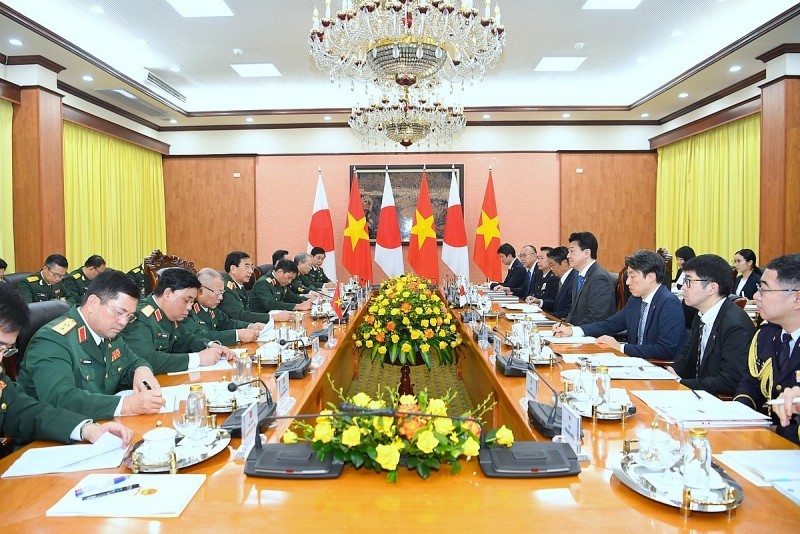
x: 97, y: 10
x: 683, y: 95
x: 612, y: 4
x: 15, y: 42
x: 578, y: 46
x: 735, y: 68
x: 249, y: 119
x: 88, y: 78
x: 238, y: 51
x: 201, y: 8
x: 677, y: 33
x: 326, y: 118
x: 125, y: 93
x: 175, y: 68
x: 559, y: 64
x: 256, y: 70
x: 173, y: 121
x: 487, y: 116
x: 645, y: 115
x: 566, y: 115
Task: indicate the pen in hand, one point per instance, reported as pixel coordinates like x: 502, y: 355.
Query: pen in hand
x: 110, y: 492
x: 145, y: 384
x: 696, y: 394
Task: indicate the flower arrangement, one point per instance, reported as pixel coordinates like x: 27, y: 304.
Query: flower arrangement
x: 380, y: 441
x: 406, y: 319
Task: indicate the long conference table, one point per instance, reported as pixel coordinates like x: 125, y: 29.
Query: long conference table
x: 362, y: 500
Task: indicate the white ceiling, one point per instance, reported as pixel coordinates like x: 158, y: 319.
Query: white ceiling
x: 634, y: 62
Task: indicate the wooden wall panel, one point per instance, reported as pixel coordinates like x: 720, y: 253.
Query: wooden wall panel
x: 209, y: 212
x: 614, y: 198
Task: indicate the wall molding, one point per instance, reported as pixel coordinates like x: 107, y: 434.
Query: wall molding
x: 34, y: 60
x: 778, y: 51
x: 724, y: 116
x: 105, y: 105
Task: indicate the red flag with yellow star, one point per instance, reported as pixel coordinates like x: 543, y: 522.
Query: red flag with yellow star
x: 487, y: 236
x: 356, y: 257
x: 422, y: 249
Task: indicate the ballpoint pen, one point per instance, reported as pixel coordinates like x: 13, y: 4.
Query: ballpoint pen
x: 696, y: 394
x: 110, y: 492
x: 108, y: 484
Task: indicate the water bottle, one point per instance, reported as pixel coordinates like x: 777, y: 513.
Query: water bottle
x: 244, y: 368
x: 697, y: 464
x: 603, y: 381
x: 196, y: 405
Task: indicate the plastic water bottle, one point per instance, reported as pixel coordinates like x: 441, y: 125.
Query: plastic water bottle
x: 697, y: 464
x: 196, y: 404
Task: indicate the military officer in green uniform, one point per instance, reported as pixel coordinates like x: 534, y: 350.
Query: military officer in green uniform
x: 236, y: 300
x: 206, y: 321
x: 303, y: 284
x: 138, y: 276
x: 48, y: 284
x: 317, y: 273
x: 78, y: 362
x: 157, y: 333
x: 271, y: 292
x: 26, y: 418
x: 77, y: 281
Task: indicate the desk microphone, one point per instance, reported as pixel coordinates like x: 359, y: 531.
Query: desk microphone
x: 296, y: 367
x: 543, y: 417
x: 509, y: 366
x: 233, y: 424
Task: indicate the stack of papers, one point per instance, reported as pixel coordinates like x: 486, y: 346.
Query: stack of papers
x: 497, y: 296
x: 519, y: 306
x: 154, y: 496
x: 106, y: 453
x: 221, y: 365
x: 764, y: 467
x: 526, y: 316
x: 572, y: 339
x: 705, y: 411
x: 623, y: 367
x: 173, y: 394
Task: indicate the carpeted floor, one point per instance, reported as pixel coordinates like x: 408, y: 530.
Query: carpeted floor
x: 374, y: 377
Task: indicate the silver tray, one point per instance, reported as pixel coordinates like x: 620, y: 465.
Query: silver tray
x: 546, y: 361
x: 629, y: 473
x: 601, y: 415
x: 221, y: 443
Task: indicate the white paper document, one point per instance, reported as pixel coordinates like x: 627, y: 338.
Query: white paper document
x: 526, y: 316
x: 646, y: 372
x: 607, y: 359
x: 157, y: 495
x: 707, y: 410
x: 572, y: 339
x: 106, y: 453
x: 790, y: 489
x: 520, y: 306
x: 221, y: 365
x: 769, y: 466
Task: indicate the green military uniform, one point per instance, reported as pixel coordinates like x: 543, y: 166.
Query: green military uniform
x: 137, y: 275
x: 35, y: 289
x: 27, y: 419
x: 269, y: 294
x: 303, y: 284
x: 236, y: 303
x: 318, y: 276
x: 65, y: 367
x: 213, y: 324
x: 77, y: 284
x: 163, y: 343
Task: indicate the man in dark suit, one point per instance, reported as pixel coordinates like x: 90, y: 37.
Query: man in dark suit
x: 593, y: 298
x: 527, y: 257
x: 717, y: 357
x: 652, y: 316
x: 544, y: 284
x: 516, y: 275
x: 774, y: 359
x: 566, y: 277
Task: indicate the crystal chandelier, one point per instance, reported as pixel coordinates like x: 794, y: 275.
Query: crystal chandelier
x: 405, y: 41
x: 407, y: 119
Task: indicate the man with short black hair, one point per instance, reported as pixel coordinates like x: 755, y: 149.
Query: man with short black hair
x: 653, y: 316
x: 544, y: 285
x: 721, y: 331
x: 527, y: 257
x: 78, y: 280
x: 47, y: 284
x: 593, y: 298
x: 236, y: 300
x: 78, y: 362
x: 303, y: 284
x: 24, y: 417
x: 317, y: 273
x: 561, y: 305
x: 516, y: 275
x: 774, y: 359
x: 157, y: 334
x: 271, y: 292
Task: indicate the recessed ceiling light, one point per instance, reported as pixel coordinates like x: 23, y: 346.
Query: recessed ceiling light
x: 683, y: 95
x: 645, y: 115
x: 238, y: 51
x: 559, y: 64
x: 201, y: 8
x: 249, y: 119
x: 326, y: 118
x: 173, y: 121
x: 566, y: 115
x: 125, y: 93
x: 98, y: 10
x: 15, y: 42
x: 487, y: 116
x: 611, y: 4
x: 256, y: 70
x: 676, y: 33
x: 175, y: 68
x: 88, y: 78
x: 578, y: 46
x: 735, y: 68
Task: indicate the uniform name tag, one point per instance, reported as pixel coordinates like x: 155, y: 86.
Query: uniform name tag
x: 162, y: 335
x: 86, y: 361
x: 201, y: 322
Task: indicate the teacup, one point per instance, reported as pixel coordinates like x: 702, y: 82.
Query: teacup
x: 158, y: 446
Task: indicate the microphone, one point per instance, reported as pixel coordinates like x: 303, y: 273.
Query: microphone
x: 233, y: 424
x: 297, y: 367
x: 509, y: 365
x: 543, y: 417
x: 349, y: 408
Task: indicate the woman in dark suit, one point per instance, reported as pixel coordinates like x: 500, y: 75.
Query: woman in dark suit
x: 744, y: 261
x: 682, y: 255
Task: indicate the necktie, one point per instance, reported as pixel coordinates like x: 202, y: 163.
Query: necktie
x: 528, y: 284
x: 102, y: 347
x: 700, y: 332
x: 642, y: 321
x: 581, y: 279
x: 783, y: 357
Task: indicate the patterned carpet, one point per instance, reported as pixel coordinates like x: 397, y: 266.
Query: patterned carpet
x: 374, y: 377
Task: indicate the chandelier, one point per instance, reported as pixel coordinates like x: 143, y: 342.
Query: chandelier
x: 407, y: 119
x: 405, y: 41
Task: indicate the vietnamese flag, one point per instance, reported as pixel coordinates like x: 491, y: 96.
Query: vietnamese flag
x: 356, y: 256
x: 487, y: 235
x: 320, y: 232
x: 422, y: 253
x: 388, y: 242
x: 454, y: 248
x: 336, y: 303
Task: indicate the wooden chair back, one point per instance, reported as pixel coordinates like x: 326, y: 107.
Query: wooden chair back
x: 158, y: 260
x: 664, y: 253
x: 621, y: 290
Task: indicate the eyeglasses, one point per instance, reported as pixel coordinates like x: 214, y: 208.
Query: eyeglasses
x: 689, y: 281
x: 761, y: 289
x: 7, y: 351
x: 218, y: 293
x: 129, y: 317
x: 56, y: 275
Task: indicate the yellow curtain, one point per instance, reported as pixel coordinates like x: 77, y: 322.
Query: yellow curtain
x: 113, y: 199
x: 6, y: 191
x: 708, y: 190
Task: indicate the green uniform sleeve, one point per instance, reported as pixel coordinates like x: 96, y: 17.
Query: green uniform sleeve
x: 265, y: 298
x: 233, y: 307
x: 141, y: 338
x: 24, y: 288
x: 27, y: 419
x: 191, y: 326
